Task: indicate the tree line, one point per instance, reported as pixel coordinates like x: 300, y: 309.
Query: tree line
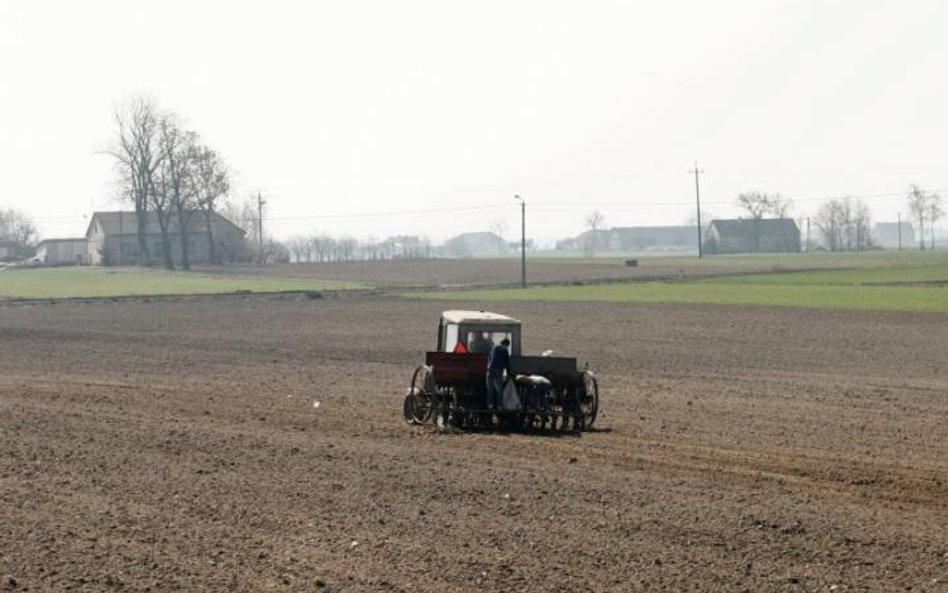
x: 844, y: 224
x: 324, y: 247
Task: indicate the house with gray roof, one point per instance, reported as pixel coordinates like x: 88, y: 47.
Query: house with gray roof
x: 656, y: 238
x: 9, y: 251
x: 634, y: 238
x: 481, y: 244
x: 113, y: 238
x: 752, y: 235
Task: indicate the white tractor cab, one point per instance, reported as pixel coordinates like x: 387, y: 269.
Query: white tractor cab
x: 476, y: 332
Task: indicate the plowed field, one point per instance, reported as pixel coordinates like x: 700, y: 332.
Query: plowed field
x: 177, y: 445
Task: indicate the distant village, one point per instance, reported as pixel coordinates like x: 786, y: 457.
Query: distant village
x: 119, y: 238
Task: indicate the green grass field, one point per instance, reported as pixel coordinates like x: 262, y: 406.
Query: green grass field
x: 114, y: 282
x: 914, y: 286
x: 772, y: 262
x: 881, y: 281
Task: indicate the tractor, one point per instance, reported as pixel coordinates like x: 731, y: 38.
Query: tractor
x: 450, y: 389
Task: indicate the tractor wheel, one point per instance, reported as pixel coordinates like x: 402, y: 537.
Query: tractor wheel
x: 589, y: 404
x: 421, y: 381
x: 410, y: 408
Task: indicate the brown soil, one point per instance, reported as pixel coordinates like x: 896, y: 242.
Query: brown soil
x: 174, y: 445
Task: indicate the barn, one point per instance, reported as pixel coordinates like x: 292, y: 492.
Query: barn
x: 63, y: 252
x: 894, y: 234
x: 113, y: 238
x: 752, y: 235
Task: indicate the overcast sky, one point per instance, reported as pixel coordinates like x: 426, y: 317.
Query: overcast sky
x: 376, y: 117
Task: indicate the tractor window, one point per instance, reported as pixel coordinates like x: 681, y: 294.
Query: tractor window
x: 497, y: 336
x: 450, y: 337
x: 483, y: 341
x: 479, y: 342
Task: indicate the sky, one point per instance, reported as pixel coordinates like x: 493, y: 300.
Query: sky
x: 372, y: 118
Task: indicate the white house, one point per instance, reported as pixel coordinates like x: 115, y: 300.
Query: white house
x: 63, y: 252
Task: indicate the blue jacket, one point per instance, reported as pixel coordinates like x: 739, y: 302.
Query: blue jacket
x: 499, y: 359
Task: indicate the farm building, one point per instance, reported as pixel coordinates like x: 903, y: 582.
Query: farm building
x: 113, y: 238
x: 9, y: 250
x: 658, y: 238
x: 63, y: 252
x: 590, y: 241
x: 752, y: 235
x: 634, y: 238
x: 890, y: 235
x: 482, y: 244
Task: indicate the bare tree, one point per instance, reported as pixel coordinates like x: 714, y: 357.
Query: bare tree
x: 371, y: 249
x: 186, y: 194
x: 594, y: 224
x: 861, y: 222
x: 244, y: 216
x: 388, y: 249
x: 301, y: 248
x: 18, y: 228
x: 424, y: 247
x: 273, y: 251
x: 780, y: 206
x: 498, y: 226
x: 212, y: 184
x: 758, y: 205
x: 172, y: 195
x: 138, y: 158
x: 935, y: 213
x: 844, y: 224
x: 323, y: 244
x: 347, y: 247
x: 924, y: 206
x: 830, y: 221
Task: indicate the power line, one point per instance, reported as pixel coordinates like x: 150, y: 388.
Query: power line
x: 628, y: 205
x: 540, y: 205
x: 389, y: 213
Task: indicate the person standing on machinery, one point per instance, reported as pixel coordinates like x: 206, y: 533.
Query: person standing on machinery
x: 498, y: 369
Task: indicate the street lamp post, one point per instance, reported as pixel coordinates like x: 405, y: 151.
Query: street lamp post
x: 523, y: 241
x: 697, y: 172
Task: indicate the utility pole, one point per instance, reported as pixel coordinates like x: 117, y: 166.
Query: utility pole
x: 121, y: 241
x: 697, y: 172
x: 260, y: 204
x: 900, y: 231
x: 523, y: 241
x: 932, y: 225
x: 809, y: 244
